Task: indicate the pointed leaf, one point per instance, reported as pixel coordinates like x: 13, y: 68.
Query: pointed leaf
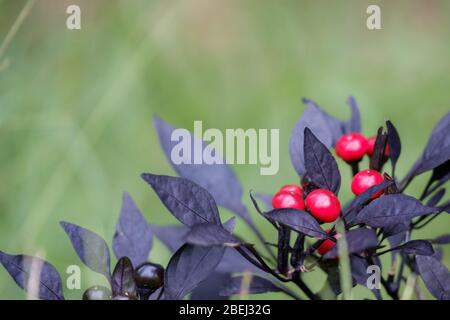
x: 419, y: 247
x: 354, y: 123
x: 210, y: 288
x: 367, y: 195
x: 437, y: 150
x: 122, y: 280
x: 28, y: 271
x: 256, y: 285
x: 186, y: 200
x: 444, y: 239
x: 320, y: 165
x: 133, y: 237
x: 90, y: 247
x: 299, y: 221
x: 435, y: 276
x: 358, y: 240
x: 395, y: 145
x: 208, y: 234
x: 172, y: 236
x: 188, y: 267
x: 392, y: 209
x: 227, y: 194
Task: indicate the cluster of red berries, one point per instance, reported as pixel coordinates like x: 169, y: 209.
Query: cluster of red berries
x: 354, y: 146
x: 322, y: 204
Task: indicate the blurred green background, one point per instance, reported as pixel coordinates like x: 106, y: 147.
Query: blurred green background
x: 76, y: 106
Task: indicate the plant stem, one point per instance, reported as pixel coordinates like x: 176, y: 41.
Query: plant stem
x: 355, y: 167
x: 345, y: 273
x: 284, y: 235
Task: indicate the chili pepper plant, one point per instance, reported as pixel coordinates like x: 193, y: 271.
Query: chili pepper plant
x: 314, y: 230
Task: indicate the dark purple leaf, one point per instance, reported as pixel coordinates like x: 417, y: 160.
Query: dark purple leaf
x: 230, y: 224
x: 90, y: 247
x: 396, y: 239
x: 254, y: 285
x: 319, y: 123
x: 395, y: 145
x: 210, y: 288
x: 441, y: 174
x: 188, y: 267
x: 444, y: 239
x: 359, y: 201
x: 299, y: 221
x: 233, y: 262
x: 392, y: 209
x: 227, y: 193
x: 320, y: 165
x: 359, y: 267
x: 208, y: 234
x: 122, y: 280
x: 435, y: 276
x: 172, y: 236
x: 28, y: 271
x: 437, y: 150
x: 419, y: 247
x: 266, y: 199
x: 396, y: 229
x: 133, y: 237
x: 354, y: 123
x: 434, y: 200
x: 186, y: 200
x: 358, y: 240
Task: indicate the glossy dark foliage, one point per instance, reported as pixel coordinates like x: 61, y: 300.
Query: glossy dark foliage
x: 90, y: 247
x: 227, y: 193
x: 392, y: 209
x: 207, y: 255
x: 208, y: 234
x: 299, y: 221
x: 249, y: 285
x: 325, y: 127
x: 122, y: 281
x: 437, y: 150
x: 358, y: 240
x: 393, y: 140
x: 188, y: 267
x: 444, y: 239
x: 435, y: 276
x: 320, y: 166
x: 359, y: 201
x: 186, y: 200
x: 28, y: 272
x: 133, y: 237
x: 420, y: 247
x: 358, y: 266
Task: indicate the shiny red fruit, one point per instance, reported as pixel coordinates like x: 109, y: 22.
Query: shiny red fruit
x: 351, y: 147
x: 371, y: 145
x: 323, y: 205
x: 292, y: 188
x: 286, y: 199
x: 363, y: 180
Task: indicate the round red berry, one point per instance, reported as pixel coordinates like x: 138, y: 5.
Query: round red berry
x: 365, y: 179
x: 328, y: 244
x: 292, y: 188
x: 371, y: 145
x: 351, y: 147
x: 286, y: 199
x: 323, y: 205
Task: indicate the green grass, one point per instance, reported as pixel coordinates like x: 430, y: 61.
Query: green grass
x: 76, y: 106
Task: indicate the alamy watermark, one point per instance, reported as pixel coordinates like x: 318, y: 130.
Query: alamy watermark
x: 235, y: 146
